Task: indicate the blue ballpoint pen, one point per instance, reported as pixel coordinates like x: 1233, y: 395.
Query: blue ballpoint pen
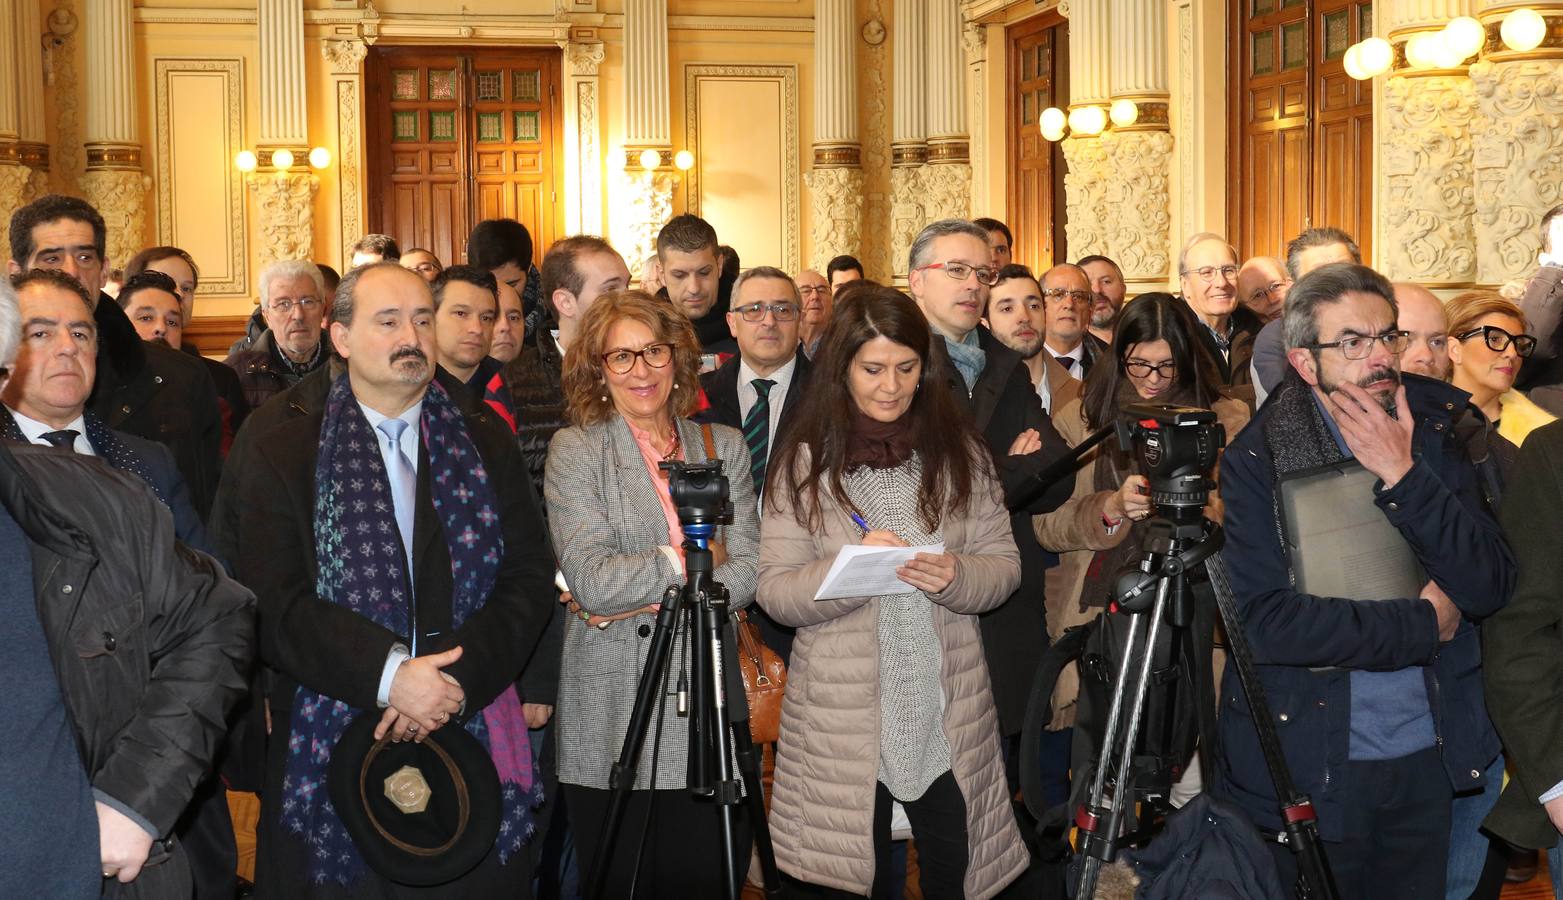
x: 858, y: 520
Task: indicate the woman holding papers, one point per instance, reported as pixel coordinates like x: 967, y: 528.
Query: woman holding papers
x: 888, y: 696
x: 630, y: 382
x: 1156, y: 357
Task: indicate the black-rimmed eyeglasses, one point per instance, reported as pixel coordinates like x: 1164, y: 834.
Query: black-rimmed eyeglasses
x: 1498, y: 340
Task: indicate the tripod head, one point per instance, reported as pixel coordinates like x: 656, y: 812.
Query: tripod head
x: 700, y: 496
x: 1177, y: 446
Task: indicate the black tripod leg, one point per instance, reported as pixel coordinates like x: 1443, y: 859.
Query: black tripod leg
x: 750, y: 763
x: 622, y: 779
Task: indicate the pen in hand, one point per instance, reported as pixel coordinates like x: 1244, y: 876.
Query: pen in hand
x: 858, y: 521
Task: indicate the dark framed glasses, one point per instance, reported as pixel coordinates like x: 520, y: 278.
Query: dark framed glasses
x: 620, y: 361
x: 1498, y: 340
x: 1139, y: 368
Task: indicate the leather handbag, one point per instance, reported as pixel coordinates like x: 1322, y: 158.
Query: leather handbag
x: 764, y: 673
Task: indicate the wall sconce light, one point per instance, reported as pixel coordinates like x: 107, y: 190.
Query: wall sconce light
x: 1422, y: 50
x: 1465, y: 36
x: 1375, y: 55
x: 1088, y: 120
x: 245, y: 161
x: 650, y: 159
x: 1124, y: 113
x: 684, y: 160
x: 319, y: 158
x: 1523, y: 30
x: 1053, y: 121
x: 282, y: 159
x: 1353, y: 63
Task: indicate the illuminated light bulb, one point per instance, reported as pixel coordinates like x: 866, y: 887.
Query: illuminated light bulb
x: 245, y: 161
x: 649, y: 159
x: 320, y: 157
x: 1353, y: 63
x: 1053, y: 119
x: 1087, y: 120
x: 1124, y: 113
x: 1422, y: 50
x: 282, y: 159
x: 1053, y: 134
x: 1523, y: 29
x: 1446, y: 54
x: 1375, y: 56
x: 684, y: 160
x: 1465, y: 36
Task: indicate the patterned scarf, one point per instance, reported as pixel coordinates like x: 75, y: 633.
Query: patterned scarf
x: 968, y: 356
x: 363, y: 567
x: 104, y: 442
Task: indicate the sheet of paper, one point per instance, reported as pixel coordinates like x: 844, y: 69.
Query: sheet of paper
x: 861, y: 571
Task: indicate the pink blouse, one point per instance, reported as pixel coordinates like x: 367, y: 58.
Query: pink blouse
x: 652, y: 456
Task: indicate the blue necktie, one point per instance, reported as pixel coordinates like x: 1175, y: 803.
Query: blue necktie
x: 404, y: 483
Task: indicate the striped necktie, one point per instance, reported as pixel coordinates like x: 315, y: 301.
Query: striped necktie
x: 757, y: 431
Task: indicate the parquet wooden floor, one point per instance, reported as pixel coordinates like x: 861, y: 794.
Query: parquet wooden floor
x: 1538, y: 888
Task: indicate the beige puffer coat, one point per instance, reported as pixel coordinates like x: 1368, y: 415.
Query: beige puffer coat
x: 828, y: 758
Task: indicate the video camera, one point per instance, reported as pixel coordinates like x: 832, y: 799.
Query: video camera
x: 1177, y: 447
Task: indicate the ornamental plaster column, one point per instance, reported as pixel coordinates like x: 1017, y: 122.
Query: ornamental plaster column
x: 836, y: 181
x: 1427, y: 193
x: 908, y: 132
x: 114, y: 182
x: 13, y: 175
x: 947, y: 180
x: 974, y: 43
x: 647, y: 126
x: 1088, y: 179
x: 284, y: 196
x: 1517, y: 148
x: 1139, y: 156
x: 32, y: 144
x: 345, y: 58
x: 583, y: 141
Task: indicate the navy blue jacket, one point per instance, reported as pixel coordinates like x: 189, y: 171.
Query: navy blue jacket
x: 1439, y: 509
x: 163, y: 475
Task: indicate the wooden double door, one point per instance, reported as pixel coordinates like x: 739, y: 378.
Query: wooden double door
x: 1038, y: 77
x: 459, y: 136
x: 1301, y: 127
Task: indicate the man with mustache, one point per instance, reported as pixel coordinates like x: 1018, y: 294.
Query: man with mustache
x: 293, y: 303
x: 1018, y: 319
x: 1107, y: 294
x: 1377, y: 699
x: 401, y: 452
x: 1207, y: 269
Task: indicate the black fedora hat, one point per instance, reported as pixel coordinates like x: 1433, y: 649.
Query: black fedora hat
x: 420, y: 813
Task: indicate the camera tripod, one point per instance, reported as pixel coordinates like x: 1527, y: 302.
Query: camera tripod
x: 718, y: 731
x: 1176, y: 541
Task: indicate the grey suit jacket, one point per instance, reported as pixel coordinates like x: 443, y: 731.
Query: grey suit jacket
x: 607, y: 524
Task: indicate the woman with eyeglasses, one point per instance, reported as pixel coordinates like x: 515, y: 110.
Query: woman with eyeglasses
x: 1156, y: 357
x: 1487, y: 346
x: 630, y: 383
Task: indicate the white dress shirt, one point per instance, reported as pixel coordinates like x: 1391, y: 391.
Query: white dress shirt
x: 34, y: 430
x: 408, y: 443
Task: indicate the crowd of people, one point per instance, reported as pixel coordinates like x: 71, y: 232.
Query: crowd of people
x: 426, y: 501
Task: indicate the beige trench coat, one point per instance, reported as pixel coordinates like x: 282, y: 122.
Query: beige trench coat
x: 827, y: 763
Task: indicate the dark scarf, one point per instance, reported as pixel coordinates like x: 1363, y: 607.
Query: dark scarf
x: 104, y: 442
x: 876, y: 444
x: 1112, y: 467
x: 363, y: 567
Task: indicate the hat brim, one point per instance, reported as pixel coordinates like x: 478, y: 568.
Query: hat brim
x: 433, y: 845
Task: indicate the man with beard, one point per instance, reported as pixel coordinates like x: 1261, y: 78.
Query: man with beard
x: 293, y: 303
x: 1422, y: 318
x: 687, y: 251
x: 815, y: 293
x: 395, y: 449
x: 1017, y: 317
x: 1378, y: 699
x: 1107, y: 294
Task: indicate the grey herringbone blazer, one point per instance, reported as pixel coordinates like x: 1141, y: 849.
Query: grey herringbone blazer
x: 607, y: 524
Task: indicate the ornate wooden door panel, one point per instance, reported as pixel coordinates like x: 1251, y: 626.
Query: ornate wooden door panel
x: 456, y: 138
x: 1036, y: 63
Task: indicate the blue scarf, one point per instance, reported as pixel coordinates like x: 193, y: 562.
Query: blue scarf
x: 363, y: 568
x: 969, y: 357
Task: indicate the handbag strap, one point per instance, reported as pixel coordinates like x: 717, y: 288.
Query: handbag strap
x: 710, y: 441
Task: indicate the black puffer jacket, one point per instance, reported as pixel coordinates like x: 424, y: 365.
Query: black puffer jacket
x: 151, y: 641
x: 534, y: 381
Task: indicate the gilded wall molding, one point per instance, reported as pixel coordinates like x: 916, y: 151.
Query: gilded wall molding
x: 648, y: 205
x: 787, y: 76
x: 14, y: 182
x: 350, y: 198
x: 1428, y: 189
x: 948, y: 191
x: 795, y: 25
x: 1186, y: 124
x: 345, y: 57
x: 62, y: 73
x: 285, y: 205
x: 231, y: 119
x: 583, y: 163
x: 874, y: 114
x: 1517, y: 154
x: 835, y: 214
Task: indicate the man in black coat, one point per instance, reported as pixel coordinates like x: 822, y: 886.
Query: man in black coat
x: 124, y: 653
x: 145, y: 389
x: 950, y: 272
x: 691, y: 261
x: 765, y: 319
x: 382, y: 325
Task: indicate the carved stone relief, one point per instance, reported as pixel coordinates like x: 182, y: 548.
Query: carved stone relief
x: 947, y: 187
x: 68, y: 162
x: 1086, y: 194
x: 907, y: 214
x: 120, y: 197
x: 1428, y: 189
x: 874, y: 114
x: 14, y: 182
x: 349, y: 177
x: 1517, y: 154
x: 648, y: 205
x: 344, y: 56
x: 1138, y: 202
x: 835, y: 213
x: 284, y: 202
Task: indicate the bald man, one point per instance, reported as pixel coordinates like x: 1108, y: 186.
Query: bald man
x: 815, y: 293
x: 1261, y: 286
x: 1422, y: 314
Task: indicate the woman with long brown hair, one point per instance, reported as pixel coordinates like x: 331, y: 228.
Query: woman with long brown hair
x: 888, y: 696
